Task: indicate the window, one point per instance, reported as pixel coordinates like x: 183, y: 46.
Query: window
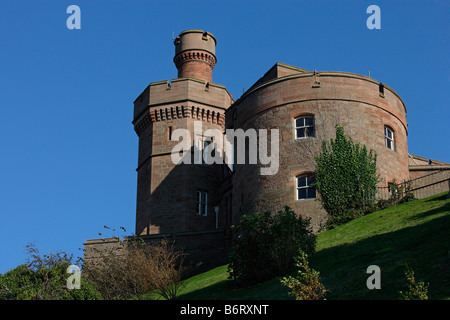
x: 305, y: 187
x: 232, y: 157
x: 169, y: 133
x: 389, y: 138
x: 202, y: 203
x: 381, y: 89
x: 202, y: 143
x: 304, y: 127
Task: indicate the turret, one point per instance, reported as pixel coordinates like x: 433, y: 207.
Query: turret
x: 195, y: 54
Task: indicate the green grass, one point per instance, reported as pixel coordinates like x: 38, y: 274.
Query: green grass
x: 417, y: 233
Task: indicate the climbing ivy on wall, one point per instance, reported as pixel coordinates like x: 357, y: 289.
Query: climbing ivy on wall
x: 346, y: 178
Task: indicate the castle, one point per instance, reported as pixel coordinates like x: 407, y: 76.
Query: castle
x: 196, y: 204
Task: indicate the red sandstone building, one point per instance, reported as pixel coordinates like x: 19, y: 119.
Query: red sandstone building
x: 196, y: 204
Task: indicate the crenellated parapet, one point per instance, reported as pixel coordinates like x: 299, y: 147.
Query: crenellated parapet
x: 182, y: 98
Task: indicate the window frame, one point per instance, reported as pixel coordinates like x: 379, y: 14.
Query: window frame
x: 201, y: 203
x: 308, y: 186
x: 169, y: 133
x: 391, y: 139
x: 201, y: 142
x: 305, y: 127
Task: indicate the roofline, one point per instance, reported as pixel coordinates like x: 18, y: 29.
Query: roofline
x: 199, y: 31
x: 310, y: 74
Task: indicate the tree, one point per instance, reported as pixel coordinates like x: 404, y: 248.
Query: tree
x: 346, y: 178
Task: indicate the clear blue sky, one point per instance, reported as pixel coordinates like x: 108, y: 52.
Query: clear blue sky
x: 68, y: 149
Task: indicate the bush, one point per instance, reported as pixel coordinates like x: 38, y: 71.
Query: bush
x: 307, y: 285
x: 44, y: 278
x: 346, y: 179
x: 266, y: 245
x: 138, y: 269
x: 401, y: 192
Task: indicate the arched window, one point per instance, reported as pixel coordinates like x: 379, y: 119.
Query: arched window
x: 389, y: 138
x: 305, y: 187
x: 304, y: 127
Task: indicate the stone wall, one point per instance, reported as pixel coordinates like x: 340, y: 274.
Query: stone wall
x: 431, y: 183
x: 203, y: 250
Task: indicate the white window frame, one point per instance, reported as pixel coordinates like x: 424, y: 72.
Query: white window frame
x: 307, y: 186
x: 205, y: 204
x: 389, y: 142
x: 201, y: 203
x: 198, y: 203
x: 305, y: 127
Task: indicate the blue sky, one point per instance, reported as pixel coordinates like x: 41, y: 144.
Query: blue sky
x: 68, y: 149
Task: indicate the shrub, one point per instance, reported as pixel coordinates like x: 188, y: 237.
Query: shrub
x: 307, y: 285
x: 401, y: 192
x: 159, y: 266
x: 266, y: 245
x: 415, y: 290
x: 44, y: 278
x: 138, y: 268
x: 346, y: 178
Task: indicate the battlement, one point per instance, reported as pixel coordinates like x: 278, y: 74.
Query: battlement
x: 182, y: 91
x: 195, y: 39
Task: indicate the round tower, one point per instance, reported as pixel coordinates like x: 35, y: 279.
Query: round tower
x: 195, y: 54
x: 314, y: 102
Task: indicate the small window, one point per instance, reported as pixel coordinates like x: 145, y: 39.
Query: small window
x: 381, y: 89
x: 304, y: 127
x: 305, y: 187
x: 169, y: 133
x: 389, y: 138
x: 206, y: 142
x: 205, y: 204
x: 202, y: 203
x: 202, y: 143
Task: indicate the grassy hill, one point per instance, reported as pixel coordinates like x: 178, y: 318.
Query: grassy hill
x: 417, y: 233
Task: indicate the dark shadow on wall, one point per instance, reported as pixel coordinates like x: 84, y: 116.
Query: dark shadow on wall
x: 173, y: 206
x: 172, y: 210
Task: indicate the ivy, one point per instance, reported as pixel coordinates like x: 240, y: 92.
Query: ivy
x: 346, y: 178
